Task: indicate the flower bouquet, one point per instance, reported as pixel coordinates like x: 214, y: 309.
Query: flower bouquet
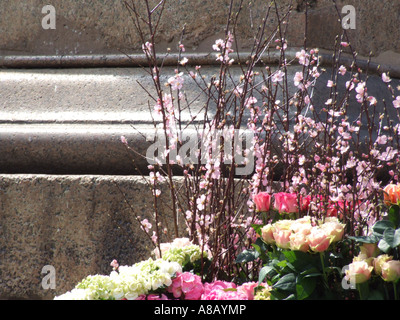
x: 295, y: 210
x: 303, y: 258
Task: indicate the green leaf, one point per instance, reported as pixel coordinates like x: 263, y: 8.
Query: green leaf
x: 229, y: 289
x: 305, y: 287
x: 366, y: 239
x: 383, y: 246
x: 376, y: 295
x: 392, y: 237
x: 278, y: 295
x: 309, y: 273
x: 257, y: 228
x: 300, y: 260
x: 363, y: 290
x: 261, y: 248
x: 286, y: 283
x: 261, y: 244
x: 379, y: 227
x: 247, y: 256
x: 394, y: 215
x: 282, y: 264
x: 266, y: 271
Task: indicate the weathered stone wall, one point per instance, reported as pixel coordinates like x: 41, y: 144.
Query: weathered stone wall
x: 101, y: 27
x: 77, y: 224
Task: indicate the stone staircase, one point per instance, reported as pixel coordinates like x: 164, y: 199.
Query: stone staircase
x: 66, y: 176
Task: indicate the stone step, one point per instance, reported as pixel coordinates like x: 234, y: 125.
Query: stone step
x: 76, y: 224
x: 70, y: 120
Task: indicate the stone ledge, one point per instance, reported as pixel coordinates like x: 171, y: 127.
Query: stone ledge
x: 69, y: 121
x: 386, y: 62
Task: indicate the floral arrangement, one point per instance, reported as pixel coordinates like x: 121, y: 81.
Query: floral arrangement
x: 169, y: 277
x: 310, y: 219
x: 302, y: 258
x: 308, y: 258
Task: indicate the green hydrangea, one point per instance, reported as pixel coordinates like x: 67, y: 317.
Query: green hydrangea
x: 184, y: 255
x: 101, y: 287
x: 263, y: 294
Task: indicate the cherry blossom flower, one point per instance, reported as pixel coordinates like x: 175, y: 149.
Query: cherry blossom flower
x: 349, y: 85
x: 201, y: 202
x: 114, y: 264
x: 298, y: 78
x: 147, y: 47
x: 123, y: 140
x: 184, y: 61
x: 382, y: 139
x: 342, y: 70
x: 386, y: 78
x: 176, y: 81
x: 146, y: 225
x: 304, y: 58
x: 361, y: 92
x: 278, y: 76
x: 372, y: 100
x: 396, y: 103
x: 388, y: 154
x: 330, y: 84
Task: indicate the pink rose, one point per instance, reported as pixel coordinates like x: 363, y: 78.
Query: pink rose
x: 187, y: 284
x: 282, y: 231
x: 286, y: 202
x: 262, y: 201
x: 318, y: 240
x: 305, y: 202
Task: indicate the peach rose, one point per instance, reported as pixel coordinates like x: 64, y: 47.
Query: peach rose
x: 299, y: 242
x: 391, y: 194
x: 391, y: 270
x: 369, y: 250
x: 319, y: 240
x: 302, y: 225
x: 282, y: 238
x: 358, y: 272
x: 267, y: 233
x: 379, y: 261
x: 333, y: 228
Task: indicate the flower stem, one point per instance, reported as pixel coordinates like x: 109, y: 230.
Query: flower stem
x: 321, y: 255
x: 395, y: 290
x: 359, y: 292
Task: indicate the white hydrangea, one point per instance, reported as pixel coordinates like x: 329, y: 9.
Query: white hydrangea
x: 76, y: 294
x: 128, y: 282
